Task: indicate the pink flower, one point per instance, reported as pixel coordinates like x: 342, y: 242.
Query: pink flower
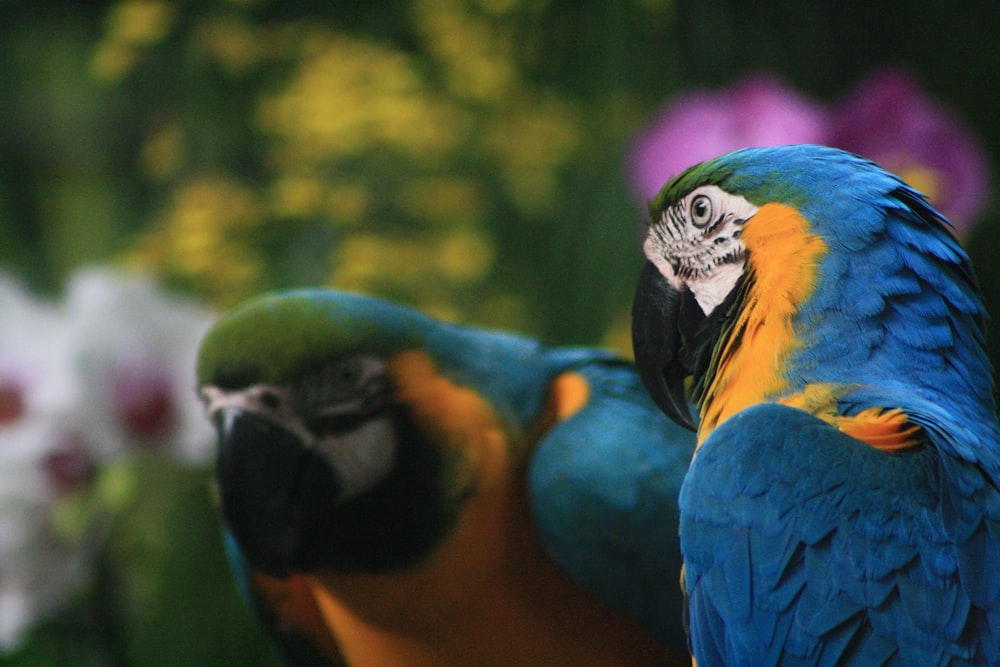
x: 756, y: 111
x: 888, y: 119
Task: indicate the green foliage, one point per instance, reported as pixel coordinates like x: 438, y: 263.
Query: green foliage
x: 163, y: 594
x: 451, y: 155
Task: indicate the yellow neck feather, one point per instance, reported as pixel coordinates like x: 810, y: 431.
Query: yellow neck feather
x: 783, y: 257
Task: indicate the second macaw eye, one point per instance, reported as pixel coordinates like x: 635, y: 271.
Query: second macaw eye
x: 347, y: 375
x: 347, y: 379
x: 701, y: 211
x: 352, y: 377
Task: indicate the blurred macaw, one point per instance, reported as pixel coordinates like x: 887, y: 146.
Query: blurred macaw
x: 399, y: 491
x: 842, y: 507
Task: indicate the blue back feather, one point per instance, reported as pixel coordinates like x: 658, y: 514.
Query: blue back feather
x: 604, y: 487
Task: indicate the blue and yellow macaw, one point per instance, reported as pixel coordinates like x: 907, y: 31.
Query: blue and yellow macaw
x: 843, y: 505
x: 400, y: 491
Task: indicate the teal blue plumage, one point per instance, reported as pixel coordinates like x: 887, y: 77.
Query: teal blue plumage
x: 810, y: 534
x: 604, y: 487
x: 599, y: 467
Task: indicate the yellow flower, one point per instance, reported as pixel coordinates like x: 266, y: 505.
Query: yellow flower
x: 349, y: 96
x: 532, y: 141
x: 139, y: 22
x: 112, y: 60
x: 204, y: 239
x: 379, y: 262
x: 233, y: 42
x: 464, y: 257
x: 442, y: 198
x: 130, y: 26
x: 294, y: 196
x: 347, y: 203
x: 475, y: 52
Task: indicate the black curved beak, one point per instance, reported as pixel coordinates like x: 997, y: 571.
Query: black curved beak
x: 657, y: 341
x: 273, y: 490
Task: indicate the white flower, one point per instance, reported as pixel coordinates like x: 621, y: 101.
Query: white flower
x: 110, y: 370
x: 136, y: 348
x: 41, y: 457
x: 35, y: 373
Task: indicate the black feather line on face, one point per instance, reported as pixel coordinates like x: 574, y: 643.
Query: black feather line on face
x: 677, y: 222
x: 375, y: 400
x: 711, y: 229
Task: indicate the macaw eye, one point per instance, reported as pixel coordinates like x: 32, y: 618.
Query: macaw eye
x: 347, y: 376
x: 352, y: 377
x: 270, y: 399
x: 701, y: 211
x: 356, y: 379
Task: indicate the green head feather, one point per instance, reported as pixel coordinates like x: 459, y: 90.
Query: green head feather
x: 276, y: 337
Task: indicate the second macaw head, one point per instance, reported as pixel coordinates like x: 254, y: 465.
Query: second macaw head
x: 349, y: 435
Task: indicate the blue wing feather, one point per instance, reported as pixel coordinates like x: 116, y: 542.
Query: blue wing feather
x: 604, y: 486
x: 856, y: 539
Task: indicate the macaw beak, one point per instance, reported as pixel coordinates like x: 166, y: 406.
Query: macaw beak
x: 272, y: 489
x: 658, y: 343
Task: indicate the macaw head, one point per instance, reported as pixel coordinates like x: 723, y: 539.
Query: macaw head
x: 772, y: 268
x: 351, y: 431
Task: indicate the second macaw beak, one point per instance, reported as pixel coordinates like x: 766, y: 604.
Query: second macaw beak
x: 272, y: 489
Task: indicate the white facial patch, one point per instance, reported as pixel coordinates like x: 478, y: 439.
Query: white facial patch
x: 362, y: 457
x: 696, y: 243
x: 361, y: 450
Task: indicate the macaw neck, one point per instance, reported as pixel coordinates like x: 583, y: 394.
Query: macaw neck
x: 510, y: 372
x: 863, y: 331
x: 749, y: 363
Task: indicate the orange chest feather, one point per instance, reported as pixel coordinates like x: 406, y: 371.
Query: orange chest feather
x: 489, y: 595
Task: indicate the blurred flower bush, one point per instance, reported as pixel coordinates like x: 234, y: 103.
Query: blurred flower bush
x: 374, y: 167
x: 419, y: 150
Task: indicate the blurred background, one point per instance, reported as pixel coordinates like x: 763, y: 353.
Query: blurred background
x: 486, y: 161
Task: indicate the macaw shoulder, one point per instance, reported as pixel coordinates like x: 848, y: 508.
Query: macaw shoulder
x: 874, y: 550
x: 601, y: 423
x: 603, y: 483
